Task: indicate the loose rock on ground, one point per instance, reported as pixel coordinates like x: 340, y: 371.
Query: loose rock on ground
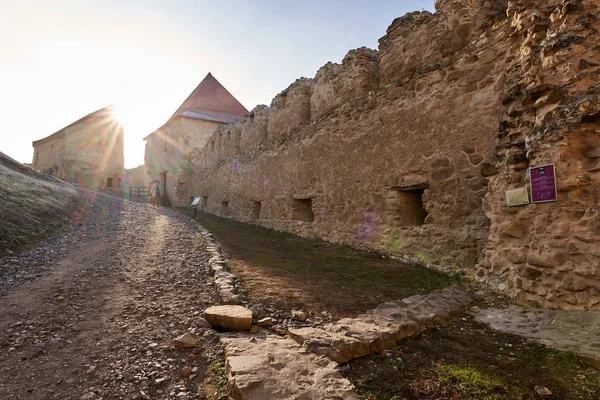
x: 91, y: 314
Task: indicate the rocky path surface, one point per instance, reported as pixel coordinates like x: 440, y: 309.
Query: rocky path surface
x: 91, y: 315
x: 576, y: 331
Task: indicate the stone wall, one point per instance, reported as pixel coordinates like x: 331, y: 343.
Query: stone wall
x: 548, y: 254
x: 136, y: 177
x: 88, y: 152
x: 336, y: 84
x: 173, y: 150
x: 49, y: 154
x: 94, y: 151
x: 409, y: 149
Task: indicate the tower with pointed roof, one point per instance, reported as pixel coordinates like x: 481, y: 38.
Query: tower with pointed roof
x: 171, y: 148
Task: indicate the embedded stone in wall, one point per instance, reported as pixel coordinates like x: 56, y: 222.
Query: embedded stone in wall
x: 290, y: 108
x: 337, y: 84
x: 227, y: 143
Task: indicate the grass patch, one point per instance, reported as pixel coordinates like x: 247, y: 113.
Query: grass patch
x: 290, y: 272
x: 467, y: 360
x: 218, y: 369
x: 469, y: 382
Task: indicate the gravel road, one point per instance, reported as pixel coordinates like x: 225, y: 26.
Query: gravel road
x: 91, y: 314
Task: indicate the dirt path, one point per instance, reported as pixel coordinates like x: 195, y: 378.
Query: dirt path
x: 91, y: 315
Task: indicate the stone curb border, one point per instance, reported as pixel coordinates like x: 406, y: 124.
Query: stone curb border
x: 256, y: 367
x: 225, y: 281
x: 349, y: 338
x: 384, y: 326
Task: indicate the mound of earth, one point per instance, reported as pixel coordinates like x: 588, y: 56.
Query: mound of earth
x: 32, y: 205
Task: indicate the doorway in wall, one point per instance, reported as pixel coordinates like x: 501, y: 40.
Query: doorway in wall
x: 163, y: 190
x: 109, y: 182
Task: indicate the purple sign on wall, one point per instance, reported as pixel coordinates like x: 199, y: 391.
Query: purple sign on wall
x: 543, y: 183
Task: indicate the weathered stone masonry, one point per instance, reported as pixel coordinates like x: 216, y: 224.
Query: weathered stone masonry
x: 549, y: 254
x: 409, y: 149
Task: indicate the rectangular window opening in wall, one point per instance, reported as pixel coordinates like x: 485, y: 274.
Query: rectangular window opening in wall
x: 302, y: 209
x: 224, y: 208
x: 410, y: 210
x: 204, y: 202
x: 256, y: 205
x: 109, y: 182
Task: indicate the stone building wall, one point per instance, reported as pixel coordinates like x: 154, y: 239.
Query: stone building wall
x: 94, y: 151
x: 173, y: 149
x: 48, y: 155
x: 136, y: 177
x: 409, y: 149
x: 88, y: 152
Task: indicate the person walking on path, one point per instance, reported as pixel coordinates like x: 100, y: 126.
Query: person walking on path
x: 155, y: 193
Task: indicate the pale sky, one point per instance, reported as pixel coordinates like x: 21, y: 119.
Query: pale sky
x: 62, y: 59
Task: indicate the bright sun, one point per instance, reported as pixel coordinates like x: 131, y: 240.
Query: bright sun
x: 139, y: 119
x: 123, y: 114
x: 140, y: 112
x: 135, y: 119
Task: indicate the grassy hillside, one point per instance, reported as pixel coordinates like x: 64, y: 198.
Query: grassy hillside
x: 32, y: 205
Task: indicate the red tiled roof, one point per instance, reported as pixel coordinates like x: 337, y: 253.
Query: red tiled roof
x: 210, y: 95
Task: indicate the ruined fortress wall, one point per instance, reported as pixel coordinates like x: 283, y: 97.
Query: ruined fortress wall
x: 409, y: 149
x: 367, y: 149
x: 548, y: 254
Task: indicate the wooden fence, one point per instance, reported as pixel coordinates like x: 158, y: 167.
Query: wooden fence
x: 139, y: 193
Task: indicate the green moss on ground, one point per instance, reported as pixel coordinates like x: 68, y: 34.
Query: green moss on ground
x: 217, y: 368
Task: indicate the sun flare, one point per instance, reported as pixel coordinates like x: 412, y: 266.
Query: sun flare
x: 123, y: 114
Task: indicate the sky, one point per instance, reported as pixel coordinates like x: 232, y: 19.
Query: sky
x: 63, y: 59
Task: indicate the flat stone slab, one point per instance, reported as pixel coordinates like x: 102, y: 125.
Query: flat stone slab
x: 271, y: 367
x: 576, y: 331
x: 186, y: 340
x: 384, y: 326
x: 230, y: 317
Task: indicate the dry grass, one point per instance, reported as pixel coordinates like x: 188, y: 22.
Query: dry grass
x: 32, y: 206
x: 289, y: 272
